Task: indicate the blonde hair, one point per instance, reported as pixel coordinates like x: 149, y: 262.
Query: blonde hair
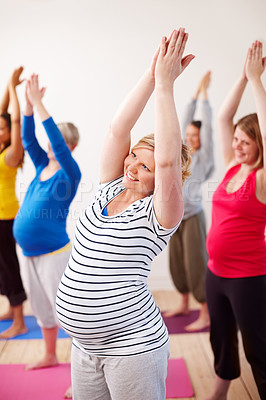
x: 250, y: 125
x: 70, y: 132
x: 149, y: 141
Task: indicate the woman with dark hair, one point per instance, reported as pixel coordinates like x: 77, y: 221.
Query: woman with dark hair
x: 188, y: 255
x: 236, y: 274
x: 11, y: 157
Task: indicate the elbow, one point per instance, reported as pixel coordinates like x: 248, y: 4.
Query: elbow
x: 163, y: 163
x: 115, y: 132
x: 15, y: 120
x: 221, y: 116
x: 168, y: 158
x: 117, y: 129
x: 224, y: 117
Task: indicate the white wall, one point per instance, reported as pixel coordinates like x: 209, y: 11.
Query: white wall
x: 90, y: 53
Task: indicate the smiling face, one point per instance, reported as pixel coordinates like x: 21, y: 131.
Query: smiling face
x: 193, y: 137
x: 139, y: 171
x: 246, y: 149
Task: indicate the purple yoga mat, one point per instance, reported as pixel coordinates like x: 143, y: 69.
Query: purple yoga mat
x: 177, y: 324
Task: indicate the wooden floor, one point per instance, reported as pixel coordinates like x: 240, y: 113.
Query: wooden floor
x: 194, y: 348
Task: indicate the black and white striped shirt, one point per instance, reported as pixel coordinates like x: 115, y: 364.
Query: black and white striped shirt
x: 103, y: 300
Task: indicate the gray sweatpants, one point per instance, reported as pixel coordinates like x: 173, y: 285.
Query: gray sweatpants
x: 140, y: 377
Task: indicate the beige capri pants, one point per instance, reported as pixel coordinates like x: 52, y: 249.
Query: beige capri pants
x: 188, y: 257
x: 42, y: 276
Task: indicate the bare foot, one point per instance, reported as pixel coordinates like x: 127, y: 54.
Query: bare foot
x: 179, y: 311
x: 202, y: 322
x: 198, y: 325
x: 221, y: 387
x: 68, y: 393
x: 47, y: 361
x: 13, y: 331
x: 183, y: 309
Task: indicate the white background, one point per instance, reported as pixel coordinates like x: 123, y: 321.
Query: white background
x: 89, y: 54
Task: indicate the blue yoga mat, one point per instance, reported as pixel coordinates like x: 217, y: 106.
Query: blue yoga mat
x: 34, y: 331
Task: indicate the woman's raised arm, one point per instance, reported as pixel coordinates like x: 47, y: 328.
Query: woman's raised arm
x: 226, y: 116
x: 168, y: 199
x: 14, y: 153
x: 255, y: 66
x: 118, y: 140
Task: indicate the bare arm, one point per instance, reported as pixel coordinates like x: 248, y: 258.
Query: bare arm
x: 226, y: 116
x: 255, y: 66
x: 168, y: 199
x: 14, y: 153
x: 4, y: 101
x: 203, y: 86
x: 118, y: 139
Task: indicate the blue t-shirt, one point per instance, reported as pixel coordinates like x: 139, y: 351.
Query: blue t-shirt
x: 40, y: 225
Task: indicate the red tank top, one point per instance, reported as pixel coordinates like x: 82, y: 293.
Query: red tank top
x: 236, y: 239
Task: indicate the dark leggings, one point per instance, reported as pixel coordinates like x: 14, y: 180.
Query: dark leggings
x: 238, y: 303
x: 10, y: 280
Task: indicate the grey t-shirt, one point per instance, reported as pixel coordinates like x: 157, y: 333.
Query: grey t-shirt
x: 202, y: 165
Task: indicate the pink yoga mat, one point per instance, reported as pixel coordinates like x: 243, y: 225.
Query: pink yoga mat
x: 177, y: 382
x: 41, y: 384
x: 51, y: 383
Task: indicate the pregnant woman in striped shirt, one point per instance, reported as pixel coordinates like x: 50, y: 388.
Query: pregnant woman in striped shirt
x: 120, y: 343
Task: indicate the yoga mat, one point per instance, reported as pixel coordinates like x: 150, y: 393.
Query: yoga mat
x: 177, y: 323
x: 40, y: 384
x: 177, y: 382
x: 34, y: 331
x: 51, y: 383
